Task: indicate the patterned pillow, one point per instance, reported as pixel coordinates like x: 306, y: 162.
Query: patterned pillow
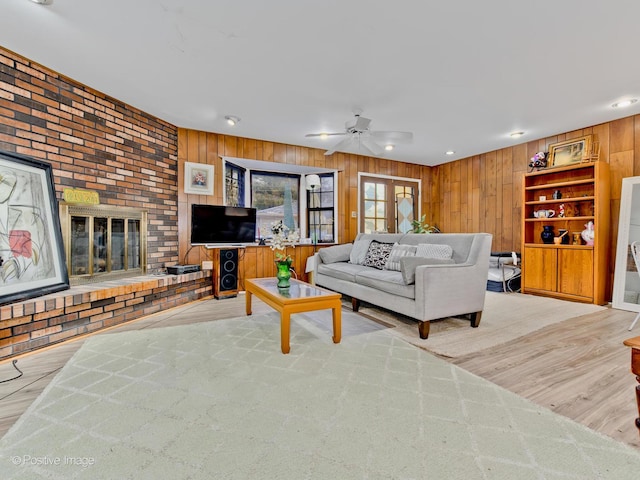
x: 397, y: 252
x: 434, y: 250
x: 377, y: 255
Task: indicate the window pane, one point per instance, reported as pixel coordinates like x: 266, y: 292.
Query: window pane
x: 275, y: 197
x: 381, y: 225
x: 234, y: 185
x: 369, y: 208
x: 117, y: 244
x: 100, y: 226
x: 381, y: 191
x: 381, y: 209
x: 369, y: 190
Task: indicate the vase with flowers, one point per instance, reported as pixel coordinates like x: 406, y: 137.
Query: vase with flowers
x: 282, y: 238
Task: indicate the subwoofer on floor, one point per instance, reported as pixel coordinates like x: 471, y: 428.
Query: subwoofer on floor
x: 225, y: 281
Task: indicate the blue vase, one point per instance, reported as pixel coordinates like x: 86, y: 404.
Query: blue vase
x: 547, y: 234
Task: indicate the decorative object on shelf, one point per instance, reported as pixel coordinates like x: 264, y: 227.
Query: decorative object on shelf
x: 557, y: 195
x: 563, y: 234
x: 544, y: 213
x: 538, y: 161
x: 543, y: 198
x: 547, y: 234
x: 571, y: 151
x: 576, y: 238
x: 561, y: 210
x: 282, y: 238
x: 588, y: 234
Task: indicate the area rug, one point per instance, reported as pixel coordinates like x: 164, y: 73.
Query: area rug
x: 506, y: 317
x: 218, y: 400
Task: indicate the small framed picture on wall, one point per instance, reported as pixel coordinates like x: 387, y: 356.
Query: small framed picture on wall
x: 198, y: 178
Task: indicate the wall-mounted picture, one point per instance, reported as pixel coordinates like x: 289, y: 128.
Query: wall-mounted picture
x: 571, y: 151
x: 32, y: 259
x: 198, y: 178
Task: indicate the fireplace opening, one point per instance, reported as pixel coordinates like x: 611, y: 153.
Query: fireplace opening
x: 103, y: 242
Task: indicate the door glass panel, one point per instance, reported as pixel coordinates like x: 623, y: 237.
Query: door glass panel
x: 100, y: 226
x: 79, y: 246
x: 117, y: 244
x: 134, y: 244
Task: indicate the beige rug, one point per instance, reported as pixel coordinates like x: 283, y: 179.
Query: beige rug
x: 506, y: 317
x: 217, y: 400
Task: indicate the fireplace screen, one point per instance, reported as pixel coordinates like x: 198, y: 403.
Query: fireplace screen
x: 100, y: 244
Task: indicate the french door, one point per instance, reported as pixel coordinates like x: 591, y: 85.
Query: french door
x: 388, y: 204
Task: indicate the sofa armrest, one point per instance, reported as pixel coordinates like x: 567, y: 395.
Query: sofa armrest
x: 444, y: 290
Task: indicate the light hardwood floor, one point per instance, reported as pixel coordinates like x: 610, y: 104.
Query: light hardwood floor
x: 579, y: 369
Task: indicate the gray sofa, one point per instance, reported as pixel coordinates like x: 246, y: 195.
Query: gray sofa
x: 423, y: 276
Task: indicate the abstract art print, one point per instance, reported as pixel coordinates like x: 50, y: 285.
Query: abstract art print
x: 31, y: 251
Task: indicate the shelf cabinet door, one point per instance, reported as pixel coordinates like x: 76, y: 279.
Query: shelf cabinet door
x: 540, y: 269
x: 575, y: 272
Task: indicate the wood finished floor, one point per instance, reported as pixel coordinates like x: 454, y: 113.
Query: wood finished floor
x: 578, y: 368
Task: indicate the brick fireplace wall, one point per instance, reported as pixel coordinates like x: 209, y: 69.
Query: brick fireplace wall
x: 130, y: 158
x: 94, y: 142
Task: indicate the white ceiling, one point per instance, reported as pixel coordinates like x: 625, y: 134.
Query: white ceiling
x: 459, y: 74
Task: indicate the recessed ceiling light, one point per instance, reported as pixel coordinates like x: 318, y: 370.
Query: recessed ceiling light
x: 624, y: 103
x: 449, y: 152
x: 516, y: 134
x: 43, y: 2
x: 231, y: 120
x: 389, y: 147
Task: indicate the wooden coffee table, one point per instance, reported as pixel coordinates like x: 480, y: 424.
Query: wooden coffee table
x: 300, y: 297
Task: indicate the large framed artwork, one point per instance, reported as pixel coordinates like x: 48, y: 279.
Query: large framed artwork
x: 571, y: 151
x: 198, y: 178
x: 32, y: 259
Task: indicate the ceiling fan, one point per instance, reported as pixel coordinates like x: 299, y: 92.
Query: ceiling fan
x: 358, y: 134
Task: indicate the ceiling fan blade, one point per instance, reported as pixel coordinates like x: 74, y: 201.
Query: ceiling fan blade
x: 393, y: 137
x: 372, y: 146
x: 339, y: 146
x: 323, y: 134
x: 361, y: 124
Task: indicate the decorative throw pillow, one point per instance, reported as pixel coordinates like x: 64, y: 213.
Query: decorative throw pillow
x: 408, y: 266
x: 359, y: 251
x: 377, y: 254
x: 397, y: 252
x: 335, y: 253
x: 434, y: 250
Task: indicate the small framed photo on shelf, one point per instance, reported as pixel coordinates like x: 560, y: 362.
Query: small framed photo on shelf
x: 198, y: 178
x: 572, y: 151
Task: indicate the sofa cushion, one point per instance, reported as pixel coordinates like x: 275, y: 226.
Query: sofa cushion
x: 342, y: 270
x: 388, y: 281
x: 377, y: 254
x: 359, y: 251
x: 335, y: 253
x: 434, y: 250
x: 397, y: 252
x: 408, y: 266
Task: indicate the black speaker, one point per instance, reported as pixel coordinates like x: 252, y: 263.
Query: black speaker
x: 226, y: 284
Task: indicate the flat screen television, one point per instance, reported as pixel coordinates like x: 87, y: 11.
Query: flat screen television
x: 217, y: 224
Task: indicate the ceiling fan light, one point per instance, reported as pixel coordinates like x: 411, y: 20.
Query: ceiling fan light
x: 43, y: 2
x: 624, y: 103
x: 389, y: 147
x: 324, y: 136
x: 232, y: 120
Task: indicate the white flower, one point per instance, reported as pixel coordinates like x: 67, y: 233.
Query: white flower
x: 282, y: 238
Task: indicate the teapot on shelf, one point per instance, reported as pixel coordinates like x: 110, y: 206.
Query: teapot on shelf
x: 588, y: 234
x: 544, y: 213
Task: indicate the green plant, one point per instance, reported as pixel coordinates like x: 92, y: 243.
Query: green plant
x: 420, y: 226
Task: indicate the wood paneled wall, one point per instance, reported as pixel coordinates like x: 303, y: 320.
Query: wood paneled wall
x: 203, y: 147
x: 484, y: 192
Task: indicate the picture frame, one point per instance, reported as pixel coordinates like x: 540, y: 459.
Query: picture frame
x: 32, y: 258
x: 198, y: 178
x: 572, y: 151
